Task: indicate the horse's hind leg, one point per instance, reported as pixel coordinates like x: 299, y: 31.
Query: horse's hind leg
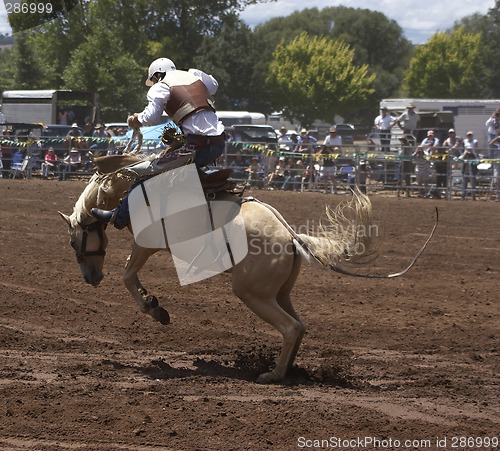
x: 285, y: 302
x: 292, y: 331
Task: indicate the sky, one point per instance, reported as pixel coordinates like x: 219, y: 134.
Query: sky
x: 419, y: 19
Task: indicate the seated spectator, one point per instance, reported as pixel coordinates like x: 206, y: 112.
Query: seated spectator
x: 255, y: 172
x: 70, y: 164
x: 50, y: 163
x: 277, y: 177
x: 289, y: 174
x: 238, y: 164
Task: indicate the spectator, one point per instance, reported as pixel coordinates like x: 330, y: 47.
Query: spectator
x: 70, y: 164
x: 453, y: 144
x: 408, y: 121
x: 255, y: 172
x: 289, y: 174
x: 299, y: 175
x: 278, y: 176
x: 328, y: 169
x: 306, y: 142
x: 6, y: 150
x: 430, y: 143
x: 282, y: 136
x: 333, y: 141
x: 50, y: 163
x: 440, y: 161
x: 100, y: 140
x: 422, y: 171
x: 362, y: 172
x: 406, y: 165
x: 493, y: 126
x: 295, y: 142
x: 73, y: 136
x: 63, y: 117
x: 383, y: 124
x: 470, y: 160
x: 495, y: 147
x: 238, y: 165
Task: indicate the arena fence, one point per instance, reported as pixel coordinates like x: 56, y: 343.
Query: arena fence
x: 270, y: 166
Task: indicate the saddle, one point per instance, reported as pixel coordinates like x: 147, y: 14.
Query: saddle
x: 216, y: 181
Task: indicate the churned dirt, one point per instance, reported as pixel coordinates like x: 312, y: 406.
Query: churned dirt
x: 411, y: 362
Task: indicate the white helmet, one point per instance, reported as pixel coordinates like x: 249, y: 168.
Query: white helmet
x: 159, y: 65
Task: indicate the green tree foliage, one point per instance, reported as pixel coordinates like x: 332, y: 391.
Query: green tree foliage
x: 315, y: 78
x: 132, y: 32
x: 489, y: 27
x: 26, y: 63
x: 235, y: 43
x: 91, y: 69
x: 376, y: 41
x: 6, y: 70
x: 447, y: 66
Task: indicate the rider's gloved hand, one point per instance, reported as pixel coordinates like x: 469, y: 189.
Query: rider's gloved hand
x: 133, y: 122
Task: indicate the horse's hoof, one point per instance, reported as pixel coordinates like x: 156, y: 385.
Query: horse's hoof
x: 163, y: 316
x: 152, y: 301
x: 269, y: 378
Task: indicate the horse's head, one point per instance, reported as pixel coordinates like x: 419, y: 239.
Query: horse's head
x: 89, y: 242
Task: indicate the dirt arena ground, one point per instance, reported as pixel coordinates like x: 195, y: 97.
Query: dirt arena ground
x: 408, y: 363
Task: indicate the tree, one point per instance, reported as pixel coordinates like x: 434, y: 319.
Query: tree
x: 230, y: 55
x: 447, y: 66
x: 489, y: 27
x: 376, y: 41
x: 91, y: 69
x: 315, y: 78
x: 26, y: 63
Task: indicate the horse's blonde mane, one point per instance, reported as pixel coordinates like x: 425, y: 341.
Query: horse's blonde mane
x: 102, y: 191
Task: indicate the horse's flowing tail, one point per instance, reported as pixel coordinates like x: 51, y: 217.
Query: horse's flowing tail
x: 349, y: 235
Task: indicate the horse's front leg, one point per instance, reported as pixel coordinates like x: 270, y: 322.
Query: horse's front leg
x: 147, y: 303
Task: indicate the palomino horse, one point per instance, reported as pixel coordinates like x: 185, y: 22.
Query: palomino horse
x: 263, y: 280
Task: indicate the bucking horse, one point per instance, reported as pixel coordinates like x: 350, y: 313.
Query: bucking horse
x: 263, y: 280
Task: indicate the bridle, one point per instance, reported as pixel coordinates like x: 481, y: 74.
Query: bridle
x: 82, y: 253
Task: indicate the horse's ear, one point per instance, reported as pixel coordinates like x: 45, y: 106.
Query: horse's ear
x: 66, y: 218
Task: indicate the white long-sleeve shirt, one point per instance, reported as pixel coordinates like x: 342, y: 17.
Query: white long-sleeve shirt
x: 204, y: 122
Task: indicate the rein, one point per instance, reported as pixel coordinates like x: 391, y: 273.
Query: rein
x: 82, y: 253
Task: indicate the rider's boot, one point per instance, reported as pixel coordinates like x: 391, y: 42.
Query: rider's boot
x: 110, y: 216
x: 104, y: 216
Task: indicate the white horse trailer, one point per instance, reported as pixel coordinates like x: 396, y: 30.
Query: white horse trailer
x: 43, y: 106
x: 469, y: 114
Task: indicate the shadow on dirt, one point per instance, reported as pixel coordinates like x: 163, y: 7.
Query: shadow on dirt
x: 333, y: 368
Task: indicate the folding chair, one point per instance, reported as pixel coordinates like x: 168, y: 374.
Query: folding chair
x: 20, y: 169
